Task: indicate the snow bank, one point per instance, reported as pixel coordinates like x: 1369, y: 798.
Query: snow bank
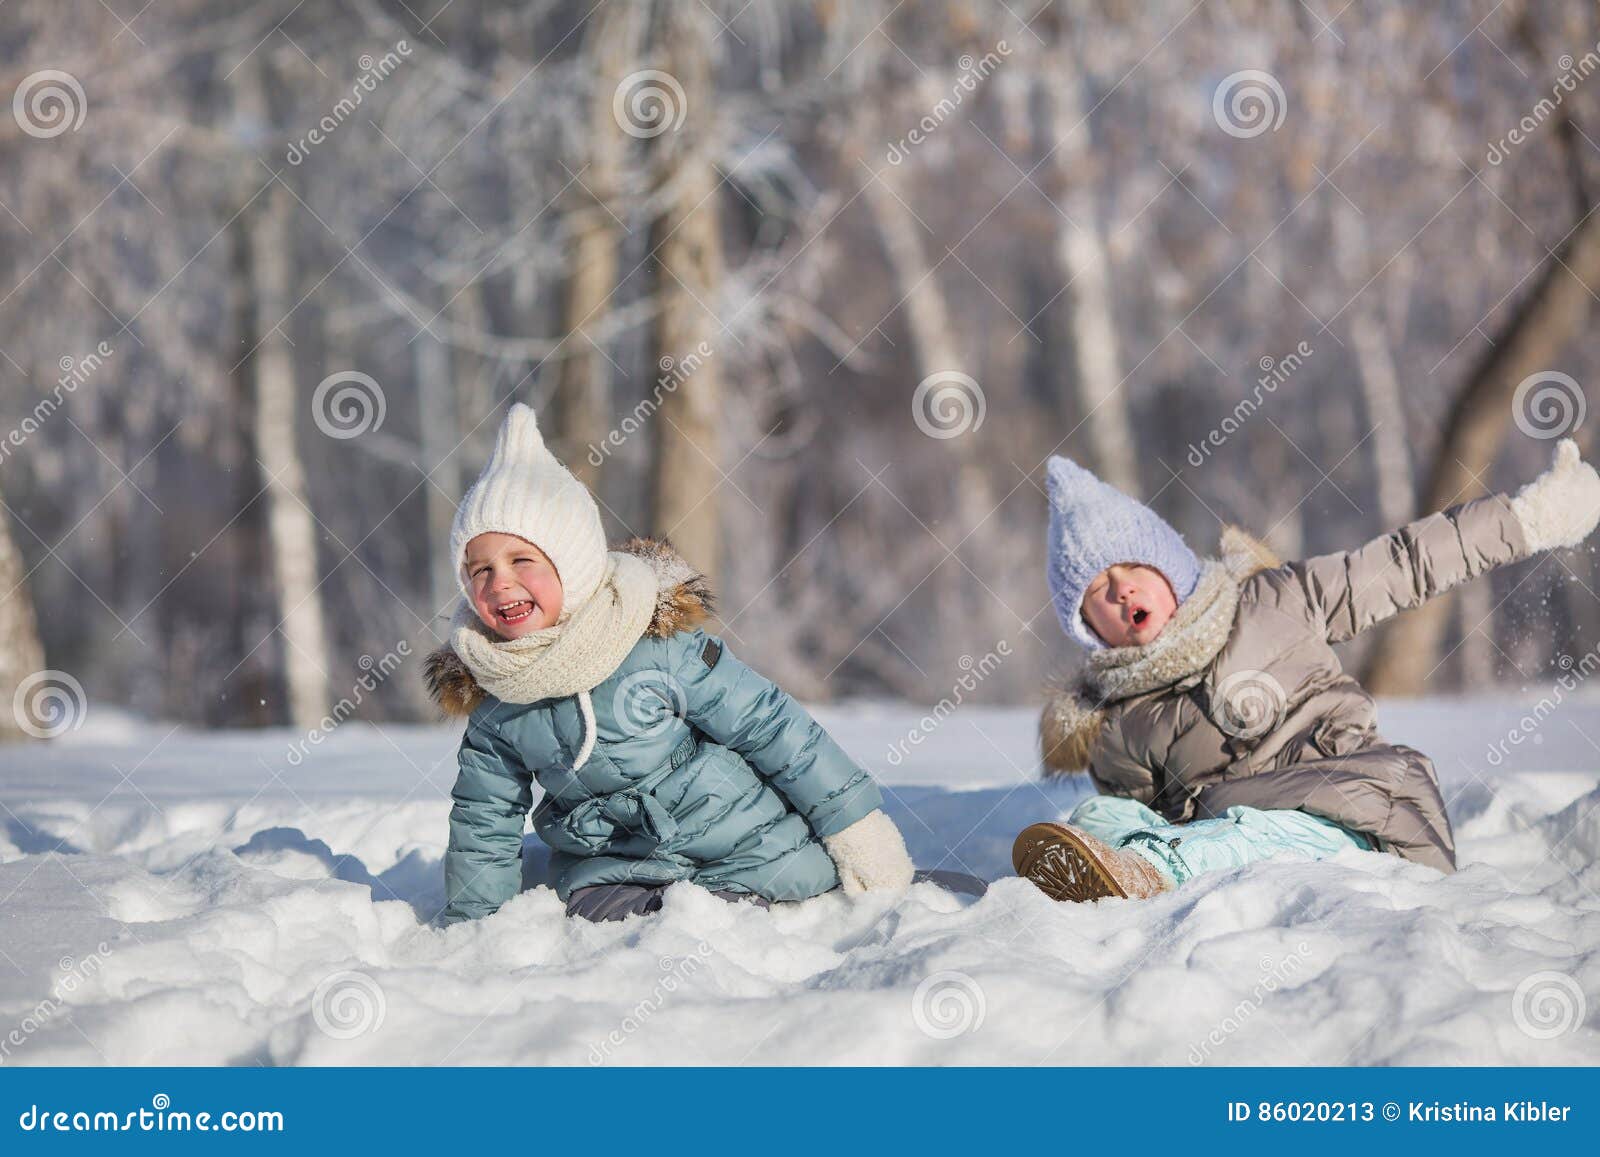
x: 168, y: 897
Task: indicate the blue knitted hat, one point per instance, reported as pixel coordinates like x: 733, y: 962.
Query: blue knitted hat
x: 1094, y: 526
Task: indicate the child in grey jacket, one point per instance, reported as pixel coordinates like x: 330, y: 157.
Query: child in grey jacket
x: 1213, y: 714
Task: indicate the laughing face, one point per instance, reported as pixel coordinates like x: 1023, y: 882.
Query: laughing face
x: 1127, y: 604
x: 514, y: 587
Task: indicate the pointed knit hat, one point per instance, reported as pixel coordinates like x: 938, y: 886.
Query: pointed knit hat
x: 1093, y: 525
x: 524, y: 491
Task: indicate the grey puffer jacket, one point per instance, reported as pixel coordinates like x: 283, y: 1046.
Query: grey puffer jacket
x: 1259, y: 711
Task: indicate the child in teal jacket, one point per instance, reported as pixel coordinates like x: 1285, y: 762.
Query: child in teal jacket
x: 661, y: 756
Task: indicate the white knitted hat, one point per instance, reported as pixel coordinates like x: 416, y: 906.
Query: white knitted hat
x: 524, y: 491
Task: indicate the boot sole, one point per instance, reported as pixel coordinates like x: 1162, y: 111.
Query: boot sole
x: 1061, y: 865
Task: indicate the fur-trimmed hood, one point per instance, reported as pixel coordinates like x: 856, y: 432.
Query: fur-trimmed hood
x: 1076, y: 710
x: 683, y: 602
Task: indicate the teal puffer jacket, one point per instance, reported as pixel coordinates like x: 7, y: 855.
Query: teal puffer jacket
x: 700, y: 770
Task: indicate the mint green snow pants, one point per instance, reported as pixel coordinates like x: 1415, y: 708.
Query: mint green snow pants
x: 1239, y: 836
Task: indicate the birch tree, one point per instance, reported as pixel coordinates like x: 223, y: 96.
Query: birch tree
x: 1086, y: 273
x: 291, y: 529
x: 687, y: 244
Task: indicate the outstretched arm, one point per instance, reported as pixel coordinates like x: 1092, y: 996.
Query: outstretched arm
x: 1353, y: 590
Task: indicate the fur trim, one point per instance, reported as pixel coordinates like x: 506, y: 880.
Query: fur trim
x: 1073, y: 716
x: 1244, y: 554
x: 450, y: 684
x: 683, y: 602
x: 1068, y: 728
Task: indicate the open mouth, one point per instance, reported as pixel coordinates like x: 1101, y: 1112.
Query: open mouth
x: 1139, y: 616
x: 513, y: 613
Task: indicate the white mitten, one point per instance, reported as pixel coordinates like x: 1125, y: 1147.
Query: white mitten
x: 1562, y: 505
x: 870, y: 855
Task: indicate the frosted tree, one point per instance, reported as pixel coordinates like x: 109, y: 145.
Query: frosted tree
x: 687, y: 244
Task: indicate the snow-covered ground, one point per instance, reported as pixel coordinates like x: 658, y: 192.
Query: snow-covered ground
x: 175, y: 898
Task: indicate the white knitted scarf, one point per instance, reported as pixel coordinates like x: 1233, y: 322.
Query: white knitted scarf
x: 571, y: 657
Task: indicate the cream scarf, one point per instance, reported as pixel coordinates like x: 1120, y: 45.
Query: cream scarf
x: 571, y: 657
x: 1189, y: 641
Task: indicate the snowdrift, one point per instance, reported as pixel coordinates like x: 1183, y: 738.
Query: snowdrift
x: 177, y: 898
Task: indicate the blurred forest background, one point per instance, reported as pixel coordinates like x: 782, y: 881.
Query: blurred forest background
x: 813, y: 286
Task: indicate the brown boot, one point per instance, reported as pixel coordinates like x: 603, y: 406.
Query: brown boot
x: 1069, y: 864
